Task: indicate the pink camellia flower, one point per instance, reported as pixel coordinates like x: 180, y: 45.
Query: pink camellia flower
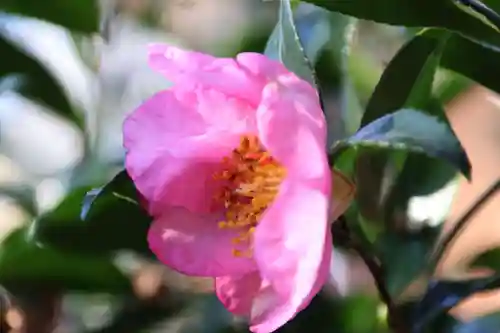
x: 231, y: 162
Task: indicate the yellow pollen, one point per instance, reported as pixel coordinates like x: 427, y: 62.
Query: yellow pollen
x: 251, y: 179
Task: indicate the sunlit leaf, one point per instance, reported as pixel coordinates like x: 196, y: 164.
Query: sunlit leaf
x: 413, y: 131
x: 285, y: 45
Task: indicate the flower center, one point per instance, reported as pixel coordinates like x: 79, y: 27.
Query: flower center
x: 251, y: 182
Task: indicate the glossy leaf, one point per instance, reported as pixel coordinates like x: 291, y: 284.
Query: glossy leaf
x: 113, y: 220
x: 478, y: 62
x: 76, y: 15
x: 26, y: 75
x: 407, y: 80
x: 425, y: 13
x: 413, y: 131
x: 405, y: 161
x: 285, y: 45
x: 441, y: 296
x: 23, y: 262
x: 400, y: 173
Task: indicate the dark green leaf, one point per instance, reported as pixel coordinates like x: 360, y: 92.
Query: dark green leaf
x: 76, y: 15
x: 285, y: 45
x: 416, y: 249
x: 479, y: 62
x: 425, y: 13
x: 407, y: 80
x: 23, y: 262
x: 112, y: 221
x: 412, y: 131
x: 406, y: 194
x: 441, y: 296
x: 28, y: 76
x: 413, y: 212
x: 406, y: 169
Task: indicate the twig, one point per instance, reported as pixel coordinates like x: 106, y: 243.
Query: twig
x: 449, y: 238
x: 482, y: 9
x: 342, y: 233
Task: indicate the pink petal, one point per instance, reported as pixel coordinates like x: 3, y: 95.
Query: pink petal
x: 343, y: 191
x: 261, y: 66
x: 248, y: 295
x: 236, y: 293
x: 176, y: 140
x: 292, y: 126
x: 290, y: 244
x: 194, y: 245
x: 189, y: 68
x: 271, y: 310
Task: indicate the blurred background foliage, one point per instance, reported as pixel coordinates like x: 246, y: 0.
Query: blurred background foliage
x: 73, y: 251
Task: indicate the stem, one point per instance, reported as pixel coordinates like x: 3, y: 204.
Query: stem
x: 343, y: 236
x: 484, y: 10
x: 449, y: 238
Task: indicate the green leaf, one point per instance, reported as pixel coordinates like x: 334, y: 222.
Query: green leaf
x: 425, y: 13
x: 23, y: 262
x: 407, y: 81
x: 478, y: 62
x: 28, y: 76
x: 441, y: 296
x: 412, y: 131
x: 405, y: 185
x: 406, y: 162
x: 112, y: 221
x: 416, y: 249
x: 76, y: 15
x: 285, y: 45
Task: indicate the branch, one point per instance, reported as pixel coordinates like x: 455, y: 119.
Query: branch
x: 449, y: 238
x: 343, y: 237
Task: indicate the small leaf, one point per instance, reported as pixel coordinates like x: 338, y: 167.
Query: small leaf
x: 28, y: 76
x: 76, y: 15
x: 23, y: 262
x: 409, y: 13
x: 113, y: 220
x: 88, y: 201
x: 285, y: 45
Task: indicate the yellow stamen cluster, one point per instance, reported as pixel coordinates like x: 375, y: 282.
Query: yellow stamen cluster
x: 251, y: 180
